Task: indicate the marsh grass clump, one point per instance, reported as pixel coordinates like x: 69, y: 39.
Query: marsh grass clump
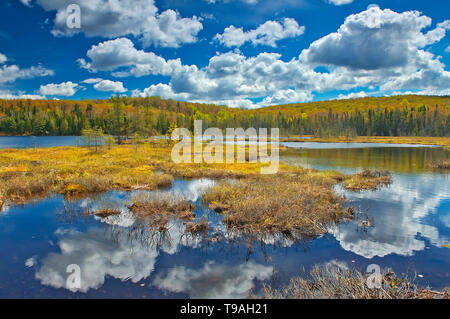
x: 284, y: 202
x: 335, y: 281
x: 18, y: 189
x: 106, y: 212
x: 198, y: 228
x: 367, y: 180
x: 187, y: 215
x: 159, y: 210
x: 213, y: 171
x: 84, y: 185
x: 163, y: 204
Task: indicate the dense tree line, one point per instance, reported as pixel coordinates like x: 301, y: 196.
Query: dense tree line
x: 124, y: 116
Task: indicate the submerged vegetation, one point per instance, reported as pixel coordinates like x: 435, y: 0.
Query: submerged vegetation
x: 335, y: 281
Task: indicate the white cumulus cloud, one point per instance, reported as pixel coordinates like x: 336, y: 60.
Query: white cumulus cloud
x: 353, y: 95
x: 92, y: 80
x: 121, y: 53
x: 110, y: 86
x: 8, y: 95
x: 375, y: 39
x: 139, y: 18
x: 400, y: 62
x: 10, y: 73
x: 266, y: 34
x: 63, y: 89
x: 286, y: 97
x: 2, y: 58
x: 162, y: 90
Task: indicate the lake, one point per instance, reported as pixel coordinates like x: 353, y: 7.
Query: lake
x: 37, y: 141
x: 117, y: 258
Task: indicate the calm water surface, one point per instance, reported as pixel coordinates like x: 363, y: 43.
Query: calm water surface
x: 411, y: 228
x: 37, y: 141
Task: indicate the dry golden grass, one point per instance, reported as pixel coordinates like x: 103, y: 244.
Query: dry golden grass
x: 74, y: 172
x: 296, y: 201
x: 156, y: 209
x: 197, y: 228
x: 106, y: 212
x: 367, y: 180
x: 332, y: 281
x: 151, y: 204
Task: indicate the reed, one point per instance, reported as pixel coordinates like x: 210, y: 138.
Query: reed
x: 367, y: 180
x: 334, y: 281
x: 286, y: 202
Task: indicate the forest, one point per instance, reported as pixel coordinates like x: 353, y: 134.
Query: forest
x: 408, y: 115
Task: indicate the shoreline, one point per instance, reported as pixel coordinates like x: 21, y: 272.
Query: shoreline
x: 413, y: 140
x: 432, y: 141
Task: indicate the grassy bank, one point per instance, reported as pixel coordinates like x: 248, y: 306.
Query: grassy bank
x: 334, y: 281
x: 418, y: 140
x: 77, y: 171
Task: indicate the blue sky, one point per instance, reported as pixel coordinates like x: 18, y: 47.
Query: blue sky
x: 242, y: 53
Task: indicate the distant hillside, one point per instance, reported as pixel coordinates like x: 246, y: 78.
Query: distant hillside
x: 398, y: 116
x: 361, y: 104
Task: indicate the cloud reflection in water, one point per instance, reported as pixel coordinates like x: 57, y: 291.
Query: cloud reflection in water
x: 399, y: 212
